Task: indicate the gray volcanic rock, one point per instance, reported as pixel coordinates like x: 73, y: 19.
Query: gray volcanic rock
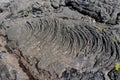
x: 60, y: 39
x: 101, y: 10
x: 9, y: 65
x: 114, y: 75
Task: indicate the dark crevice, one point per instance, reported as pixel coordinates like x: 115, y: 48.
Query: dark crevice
x: 19, y: 55
x: 26, y: 71
x: 1, y: 10
x: 21, y: 65
x: 85, y: 11
x: 24, y: 68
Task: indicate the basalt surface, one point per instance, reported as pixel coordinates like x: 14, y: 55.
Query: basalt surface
x: 59, y: 39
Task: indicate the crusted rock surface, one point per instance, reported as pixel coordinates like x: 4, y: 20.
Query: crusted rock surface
x: 59, y: 39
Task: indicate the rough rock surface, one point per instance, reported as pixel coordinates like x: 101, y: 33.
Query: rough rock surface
x: 59, y: 39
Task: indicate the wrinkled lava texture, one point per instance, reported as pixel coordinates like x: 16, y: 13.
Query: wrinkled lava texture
x: 59, y: 39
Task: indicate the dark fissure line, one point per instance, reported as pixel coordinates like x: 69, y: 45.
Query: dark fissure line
x: 85, y: 11
x: 26, y: 71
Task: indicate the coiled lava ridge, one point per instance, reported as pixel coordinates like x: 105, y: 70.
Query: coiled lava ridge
x: 52, y: 45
